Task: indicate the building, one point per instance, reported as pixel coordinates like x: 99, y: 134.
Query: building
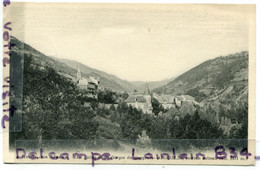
x: 183, y: 98
x: 170, y: 101
x: 167, y: 101
x: 141, y: 101
x: 90, y: 84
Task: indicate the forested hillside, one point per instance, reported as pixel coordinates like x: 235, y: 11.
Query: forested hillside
x: 54, y: 109
x: 106, y: 80
x: 69, y: 68
x: 223, y: 80
x: 51, y: 105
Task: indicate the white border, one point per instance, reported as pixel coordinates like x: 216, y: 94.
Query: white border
x: 150, y: 167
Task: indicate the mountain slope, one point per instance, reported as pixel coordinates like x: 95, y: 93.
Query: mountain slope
x: 110, y: 78
x: 221, y: 80
x: 140, y: 85
x: 69, y: 68
x: 51, y: 106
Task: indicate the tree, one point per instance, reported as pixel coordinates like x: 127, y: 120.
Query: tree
x: 157, y: 107
x: 52, y: 106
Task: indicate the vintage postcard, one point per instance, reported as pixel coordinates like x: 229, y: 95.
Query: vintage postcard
x: 129, y: 83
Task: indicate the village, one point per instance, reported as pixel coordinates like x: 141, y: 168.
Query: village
x: 139, y: 100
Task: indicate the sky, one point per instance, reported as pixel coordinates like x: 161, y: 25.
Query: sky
x: 134, y: 42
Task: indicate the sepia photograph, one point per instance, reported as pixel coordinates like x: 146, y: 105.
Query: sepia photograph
x: 129, y: 83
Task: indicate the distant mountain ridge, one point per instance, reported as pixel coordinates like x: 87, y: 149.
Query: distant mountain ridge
x: 140, y: 85
x: 68, y: 68
x: 220, y: 80
x: 128, y: 86
x: 122, y: 85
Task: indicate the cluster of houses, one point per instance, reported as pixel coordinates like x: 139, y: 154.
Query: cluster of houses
x: 169, y: 101
x: 143, y: 101
x: 90, y: 84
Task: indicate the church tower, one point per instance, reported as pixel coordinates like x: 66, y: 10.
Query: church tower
x: 78, y: 75
x: 147, y: 90
x: 148, y: 97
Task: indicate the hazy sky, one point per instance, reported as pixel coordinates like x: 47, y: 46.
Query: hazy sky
x: 134, y: 42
